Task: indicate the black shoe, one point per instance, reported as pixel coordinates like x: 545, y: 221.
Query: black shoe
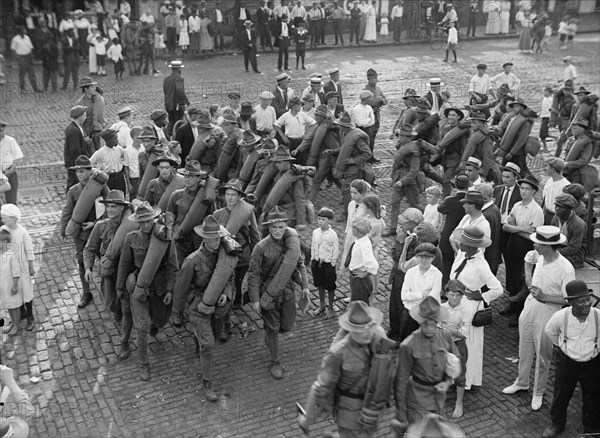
x: 153, y: 331
x: 514, y: 321
x: 552, y: 431
x: 225, y: 333
x: 85, y: 300
x: 125, y: 352
x: 507, y: 311
x: 30, y: 324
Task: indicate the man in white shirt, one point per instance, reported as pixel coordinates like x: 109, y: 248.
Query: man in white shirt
x: 294, y: 123
x: 298, y: 13
x: 132, y: 161
x: 553, y: 186
x: 507, y: 77
x: 219, y: 27
x: 361, y: 263
x: 281, y: 10
x: 396, y: 18
x: 22, y: 49
x: 123, y: 126
x: 362, y: 114
x: 264, y: 114
x: 473, y: 169
x: 570, y: 70
x: 10, y: 155
x: 110, y: 159
x: 479, y: 86
x: 575, y: 331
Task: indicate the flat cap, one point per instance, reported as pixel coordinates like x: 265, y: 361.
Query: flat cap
x: 565, y: 200
x: 556, y: 163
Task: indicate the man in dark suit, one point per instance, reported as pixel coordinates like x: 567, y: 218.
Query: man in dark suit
x: 433, y: 95
x: 505, y: 196
x: 175, y: 97
x: 187, y: 133
x: 334, y: 84
x: 282, y: 94
x: 491, y: 213
x: 70, y: 45
x: 218, y: 23
x: 240, y: 14
x: 454, y: 212
x: 263, y: 15
x: 75, y: 143
x: 282, y: 34
x: 248, y: 43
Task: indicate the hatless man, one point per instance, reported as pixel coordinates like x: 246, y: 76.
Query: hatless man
x: 76, y: 144
x: 553, y: 187
x: 22, y: 48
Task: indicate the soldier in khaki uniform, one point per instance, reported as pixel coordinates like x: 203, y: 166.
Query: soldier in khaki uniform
x: 166, y: 163
x: 97, y: 244
x: 151, y: 308
x: 209, y: 304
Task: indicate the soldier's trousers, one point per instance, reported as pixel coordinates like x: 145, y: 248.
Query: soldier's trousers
x: 279, y: 319
x: 149, y: 313
x: 323, y: 171
x: 79, y: 246
x: 108, y: 287
x: 127, y: 320
x: 411, y: 192
x: 204, y: 326
x: 346, y: 181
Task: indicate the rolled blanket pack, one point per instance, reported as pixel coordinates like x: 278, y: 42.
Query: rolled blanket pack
x: 220, y: 276
x: 508, y: 139
x: 158, y: 247
x: 204, y: 198
x: 111, y: 257
x: 266, y: 180
x: 150, y: 173
x: 452, y: 135
x: 176, y: 183
x: 85, y: 203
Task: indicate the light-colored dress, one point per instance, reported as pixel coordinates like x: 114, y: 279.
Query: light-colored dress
x: 371, y: 28
x: 9, y: 268
x: 492, y: 9
x: 504, y: 16
x: 354, y: 210
x: 383, y: 31
x: 21, y: 240
x: 525, y: 38
x: 93, y: 68
x: 206, y: 41
x: 474, y: 276
x: 184, y: 36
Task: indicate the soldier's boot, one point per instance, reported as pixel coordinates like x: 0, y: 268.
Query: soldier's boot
x: 209, y: 392
x: 177, y: 320
x: 225, y: 331
x: 85, y: 300
x: 125, y: 352
x: 276, y: 370
x: 144, y: 371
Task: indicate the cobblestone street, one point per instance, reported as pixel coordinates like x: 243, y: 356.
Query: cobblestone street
x: 69, y: 364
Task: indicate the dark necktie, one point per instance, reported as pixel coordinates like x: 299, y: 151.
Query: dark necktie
x: 461, y: 266
x: 349, y: 256
x: 504, y: 203
x: 285, y: 98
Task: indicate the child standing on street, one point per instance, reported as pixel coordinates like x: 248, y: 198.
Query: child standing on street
x: 100, y: 45
x: 452, y: 41
x: 115, y: 53
x: 547, y: 35
x: 324, y: 251
x: 571, y: 31
x: 301, y: 37
x: 562, y: 32
x: 545, y: 115
x: 10, y: 271
x: 383, y: 31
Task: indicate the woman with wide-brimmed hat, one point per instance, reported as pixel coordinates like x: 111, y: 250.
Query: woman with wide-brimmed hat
x: 471, y: 268
x: 551, y: 273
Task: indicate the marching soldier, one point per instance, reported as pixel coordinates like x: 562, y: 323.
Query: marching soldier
x: 83, y: 171
x: 147, y: 271
x: 100, y: 238
x: 275, y: 264
x: 167, y: 164
x: 199, y: 275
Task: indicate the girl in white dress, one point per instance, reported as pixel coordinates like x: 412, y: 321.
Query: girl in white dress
x: 383, y: 31
x: 184, y: 36
x: 92, y: 65
x: 10, y: 271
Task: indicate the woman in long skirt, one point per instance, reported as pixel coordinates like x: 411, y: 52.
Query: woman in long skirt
x: 525, y: 38
x: 92, y: 50
x: 184, y: 36
x: 206, y: 40
x: 371, y: 28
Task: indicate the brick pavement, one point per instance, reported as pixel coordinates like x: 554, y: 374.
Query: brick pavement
x: 83, y: 391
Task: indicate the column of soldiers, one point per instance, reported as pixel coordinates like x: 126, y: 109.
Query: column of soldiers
x: 214, y: 221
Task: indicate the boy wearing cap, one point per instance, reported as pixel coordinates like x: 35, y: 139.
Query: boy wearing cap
x: 506, y: 77
x: 76, y: 143
x: 573, y: 227
x: 301, y: 37
x: 553, y: 186
x: 361, y: 262
x: 325, y: 250
x: 363, y: 116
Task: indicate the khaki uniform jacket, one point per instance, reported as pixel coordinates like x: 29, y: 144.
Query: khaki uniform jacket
x: 100, y: 237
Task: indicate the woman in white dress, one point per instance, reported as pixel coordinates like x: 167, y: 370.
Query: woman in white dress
x: 22, y: 245
x: 206, y: 40
x: 471, y: 268
x: 371, y: 27
x: 184, y: 36
x: 93, y: 68
x: 492, y: 9
x: 504, y: 16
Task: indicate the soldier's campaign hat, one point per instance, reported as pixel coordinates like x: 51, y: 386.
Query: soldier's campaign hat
x: 582, y: 90
x: 472, y: 236
x: 167, y: 157
x: 429, y: 310
x: 246, y: 109
x: 234, y: 94
x: 331, y: 95
x: 460, y: 114
x: 124, y: 112
x: 566, y: 200
x: 410, y: 93
x: 248, y: 138
x: 210, y: 228
x: 86, y: 82
x: 568, y: 85
x: 371, y: 73
x: 531, y: 180
x: 508, y: 98
x: 360, y: 317
x: 577, y: 289
x: 344, y: 120
x: 158, y: 114
x: 144, y: 212
x: 504, y: 89
x: 176, y: 63
x: 511, y: 167
x: 321, y: 110
x: 475, y: 162
x: 518, y: 101
x: 76, y: 112
x: 233, y: 184
x: 276, y: 214
x: 282, y: 154
x: 192, y: 168
x: 109, y: 136
x: 581, y: 122
x: 81, y: 162
x: 407, y: 130
x: 147, y: 132
x: 115, y: 197
x: 269, y: 146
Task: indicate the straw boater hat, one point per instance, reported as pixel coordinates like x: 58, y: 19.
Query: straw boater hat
x: 210, y: 228
x: 115, y: 197
x: 144, y: 212
x: 81, y: 162
x: 282, y: 154
x: 192, y: 168
x: 167, y: 157
x: 360, y: 318
x: 248, y: 138
x: 511, y: 167
x: 124, y: 112
x: 315, y: 80
x: 475, y: 162
x: 577, y: 289
x: 233, y: 184
x: 267, y: 95
x: 176, y: 63
x: 276, y: 214
x: 471, y: 236
x: 429, y: 309
x: 548, y: 235
x: 282, y: 77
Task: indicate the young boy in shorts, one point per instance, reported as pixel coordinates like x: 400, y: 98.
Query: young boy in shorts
x: 324, y: 250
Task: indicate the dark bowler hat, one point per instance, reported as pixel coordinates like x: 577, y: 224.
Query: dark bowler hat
x: 472, y: 197
x: 460, y: 114
x: 246, y: 109
x: 276, y: 214
x: 158, y: 114
x: 192, y: 168
x: 110, y: 136
x: 233, y: 184
x: 282, y: 154
x: 577, y: 289
x: 210, y: 228
x: 81, y: 162
x: 167, y: 157
x: 566, y: 200
x: 145, y: 212
x: 531, y: 180
x: 115, y: 197
x: 344, y: 120
x: 249, y: 138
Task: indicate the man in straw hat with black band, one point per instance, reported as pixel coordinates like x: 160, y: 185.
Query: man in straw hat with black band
x: 276, y: 302
x: 97, y: 244
x: 551, y: 273
x: 575, y: 330
x: 174, y: 91
x: 209, y: 305
x: 344, y: 383
x: 152, y: 308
